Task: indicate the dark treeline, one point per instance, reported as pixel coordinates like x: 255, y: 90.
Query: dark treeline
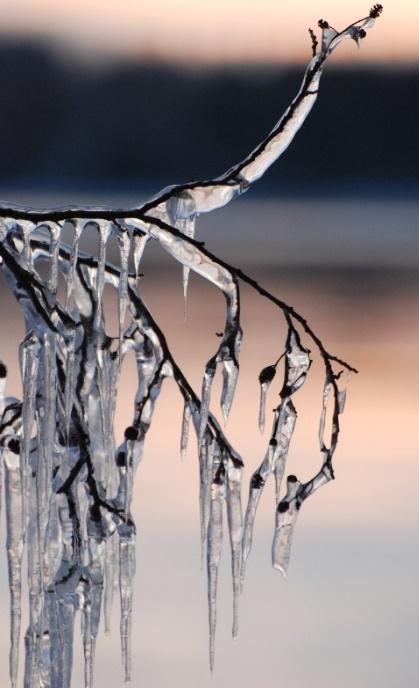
x: 63, y: 123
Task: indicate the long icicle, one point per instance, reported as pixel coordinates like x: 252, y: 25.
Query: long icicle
x: 215, y: 537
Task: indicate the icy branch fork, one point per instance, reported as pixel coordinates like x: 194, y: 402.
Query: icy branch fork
x: 68, y: 486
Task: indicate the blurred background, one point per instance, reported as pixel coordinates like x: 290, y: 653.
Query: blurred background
x: 106, y: 102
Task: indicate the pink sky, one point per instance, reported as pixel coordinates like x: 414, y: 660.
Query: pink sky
x: 232, y: 30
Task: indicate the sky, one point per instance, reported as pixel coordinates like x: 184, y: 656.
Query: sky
x: 191, y: 31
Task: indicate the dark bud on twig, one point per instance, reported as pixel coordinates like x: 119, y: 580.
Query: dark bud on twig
x: 3, y: 370
x: 362, y: 33
x: 14, y: 446
x: 283, y: 507
x: 323, y: 24
x: 131, y: 433
x: 267, y: 374
x: 376, y: 11
x: 257, y: 481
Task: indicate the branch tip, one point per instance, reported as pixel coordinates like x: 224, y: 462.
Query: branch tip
x: 376, y: 10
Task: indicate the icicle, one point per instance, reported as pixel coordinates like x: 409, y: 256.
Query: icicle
x: 341, y: 400
x: 27, y: 228
x: 87, y: 640
x: 14, y: 544
x: 33, y: 633
x: 104, y: 231
x: 180, y: 212
x: 65, y: 611
x: 187, y: 227
x: 124, y: 242
x: 192, y: 257
x: 126, y: 578
x: 208, y: 456
x: 78, y: 227
x: 262, y: 405
x: 215, y: 537
x: 54, y: 247
x: 229, y: 352
x: 207, y: 381
x: 257, y: 483
x: 185, y: 430
x: 53, y: 549
x: 69, y: 380
x: 230, y: 376
x: 140, y: 242
x: 111, y: 570
x: 274, y: 461
x: 30, y: 350
x: 326, y: 393
x: 114, y: 372
x: 92, y: 603
x: 235, y: 526
x: 47, y: 425
x: 286, y: 516
x: 128, y: 482
x: 297, y: 363
x: 83, y: 503
x: 265, y: 379
x: 285, y: 427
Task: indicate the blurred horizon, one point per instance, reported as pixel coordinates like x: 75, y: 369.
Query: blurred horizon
x: 130, y: 125
x: 216, y: 32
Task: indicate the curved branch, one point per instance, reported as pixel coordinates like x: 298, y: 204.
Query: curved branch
x: 204, y: 255
x: 187, y: 200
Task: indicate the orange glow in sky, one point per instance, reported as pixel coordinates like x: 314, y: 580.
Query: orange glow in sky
x: 220, y: 30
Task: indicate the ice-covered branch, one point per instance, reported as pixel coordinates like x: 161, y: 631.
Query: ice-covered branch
x: 78, y: 378
x: 180, y: 204
x: 68, y: 483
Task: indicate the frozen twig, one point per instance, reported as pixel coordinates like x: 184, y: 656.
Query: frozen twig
x: 69, y: 485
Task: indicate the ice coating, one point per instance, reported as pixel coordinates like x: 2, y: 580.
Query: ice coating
x: 140, y: 242
x: 235, y: 527
x: 186, y: 226
x: 297, y: 364
x: 215, y: 538
x: 14, y: 545
x: 79, y: 481
x: 185, y: 431
x: 111, y: 578
x: 265, y: 378
x: 59, y: 459
x: 286, y: 516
